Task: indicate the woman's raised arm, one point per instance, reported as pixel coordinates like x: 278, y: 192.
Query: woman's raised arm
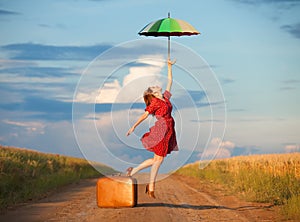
x: 170, y: 75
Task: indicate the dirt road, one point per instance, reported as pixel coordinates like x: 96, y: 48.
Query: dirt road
x: 178, y: 199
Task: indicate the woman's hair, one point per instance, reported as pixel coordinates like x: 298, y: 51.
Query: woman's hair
x: 153, y: 91
x: 148, y: 99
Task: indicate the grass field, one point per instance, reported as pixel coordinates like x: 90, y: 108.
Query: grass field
x: 26, y: 175
x: 273, y: 178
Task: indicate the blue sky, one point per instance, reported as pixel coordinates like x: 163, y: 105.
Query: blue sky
x: 252, y: 48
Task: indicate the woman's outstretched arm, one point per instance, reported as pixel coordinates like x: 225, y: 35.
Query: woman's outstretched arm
x: 170, y: 76
x: 141, y: 119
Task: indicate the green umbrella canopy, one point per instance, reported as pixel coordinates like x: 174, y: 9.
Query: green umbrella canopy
x: 168, y: 27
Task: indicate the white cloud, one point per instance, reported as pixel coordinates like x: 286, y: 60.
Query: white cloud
x: 292, y: 148
x: 109, y: 92
x: 10, y: 63
x: 31, y: 127
x: 132, y: 85
x: 218, y: 149
x: 10, y: 78
x: 223, y: 153
x: 227, y: 145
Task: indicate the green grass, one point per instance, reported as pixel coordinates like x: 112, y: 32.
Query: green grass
x: 27, y: 175
x: 257, y: 178
x: 291, y: 209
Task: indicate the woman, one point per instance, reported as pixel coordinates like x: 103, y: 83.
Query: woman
x: 161, y: 139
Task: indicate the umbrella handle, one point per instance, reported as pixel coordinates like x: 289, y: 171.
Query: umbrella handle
x: 169, y: 47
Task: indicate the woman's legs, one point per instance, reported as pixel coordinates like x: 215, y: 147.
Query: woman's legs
x: 157, y: 161
x: 143, y: 165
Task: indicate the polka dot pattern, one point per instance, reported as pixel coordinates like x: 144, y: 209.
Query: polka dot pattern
x: 161, y: 139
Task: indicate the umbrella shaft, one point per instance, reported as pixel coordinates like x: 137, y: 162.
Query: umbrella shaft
x: 169, y: 47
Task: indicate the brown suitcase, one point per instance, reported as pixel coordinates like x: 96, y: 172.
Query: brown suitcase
x: 117, y: 191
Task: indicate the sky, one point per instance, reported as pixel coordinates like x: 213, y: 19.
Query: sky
x: 72, y: 74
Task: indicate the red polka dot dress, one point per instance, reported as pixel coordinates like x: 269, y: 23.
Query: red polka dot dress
x: 161, y: 139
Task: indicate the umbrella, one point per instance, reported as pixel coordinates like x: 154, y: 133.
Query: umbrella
x: 168, y: 27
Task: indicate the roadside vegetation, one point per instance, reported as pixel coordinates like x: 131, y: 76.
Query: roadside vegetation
x: 273, y: 178
x: 27, y: 175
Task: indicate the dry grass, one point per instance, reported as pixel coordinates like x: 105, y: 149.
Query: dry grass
x: 273, y: 178
x: 27, y: 174
x: 273, y: 164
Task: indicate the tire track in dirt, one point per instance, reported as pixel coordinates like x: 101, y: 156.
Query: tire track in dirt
x: 178, y: 199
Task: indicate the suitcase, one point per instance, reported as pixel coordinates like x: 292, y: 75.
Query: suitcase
x: 117, y: 191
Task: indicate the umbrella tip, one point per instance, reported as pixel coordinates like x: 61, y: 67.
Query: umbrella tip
x: 168, y: 14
